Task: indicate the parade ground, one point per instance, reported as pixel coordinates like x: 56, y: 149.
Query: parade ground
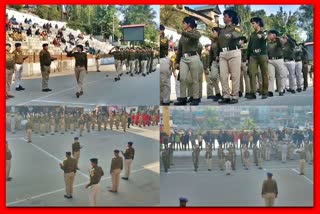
x: 37, y: 179
x: 98, y: 89
x: 240, y: 189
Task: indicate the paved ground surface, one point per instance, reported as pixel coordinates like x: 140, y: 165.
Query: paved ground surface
x: 241, y: 188
x: 98, y: 89
x: 302, y: 98
x: 38, y: 179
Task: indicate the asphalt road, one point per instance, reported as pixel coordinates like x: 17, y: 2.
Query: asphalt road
x: 240, y: 189
x: 98, y: 90
x: 38, y: 179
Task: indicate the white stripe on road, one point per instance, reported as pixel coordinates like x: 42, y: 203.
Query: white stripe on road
x: 59, y: 92
x: 310, y: 181
x: 63, y: 189
x: 52, y: 156
x: 64, y: 102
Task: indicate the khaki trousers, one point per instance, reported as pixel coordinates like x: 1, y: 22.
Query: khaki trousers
x: 221, y: 163
x: 93, y: 194
x: 68, y: 180
x: 269, y: 199
x: 29, y: 135
x: 244, y: 79
x: 299, y: 75
x: 115, y: 179
x: 209, y: 162
x: 165, y: 83
x: 190, y: 67
x: 45, y: 72
x: 230, y: 64
x: 76, y: 155
x: 276, y: 70
x: 127, y: 167
x: 9, y: 74
x: 18, y: 74
x: 291, y: 70
x: 118, y: 65
x: 213, y: 80
x: 80, y: 72
x: 131, y: 66
x: 144, y: 66
x: 80, y: 129
x: 52, y: 129
x: 8, y: 167
x: 302, y: 164
x: 228, y: 166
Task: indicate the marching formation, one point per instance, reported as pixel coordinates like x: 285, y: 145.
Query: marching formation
x: 234, y: 66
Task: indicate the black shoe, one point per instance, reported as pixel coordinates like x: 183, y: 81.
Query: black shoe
x: 125, y: 178
x: 224, y: 101
x: 217, y: 97
x: 120, y: 74
x: 45, y: 90
x: 9, y: 179
x: 276, y: 90
x: 66, y: 196
x: 131, y: 74
x: 210, y: 97
x: 78, y: 94
x: 240, y: 94
x: 247, y: 95
x: 251, y: 96
x: 305, y: 88
x: 301, y: 173
x: 98, y: 71
x: 280, y: 93
x: 284, y: 91
x: 107, y: 75
x: 181, y: 102
x: 190, y: 100
x: 81, y: 93
x: 270, y: 94
x: 209, y: 169
x: 264, y: 96
x: 293, y: 91
x: 21, y: 88
x: 299, y: 89
x: 49, y: 89
x: 233, y: 101
x: 195, y: 102
x: 165, y: 104
x: 144, y: 75
x: 18, y: 89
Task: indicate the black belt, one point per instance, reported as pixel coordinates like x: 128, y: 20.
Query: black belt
x: 229, y: 49
x: 298, y: 60
x: 273, y: 58
x: 189, y: 54
x: 288, y: 60
x: 80, y: 66
x: 19, y: 63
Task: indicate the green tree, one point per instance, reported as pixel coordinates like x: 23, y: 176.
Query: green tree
x: 211, y: 119
x: 248, y: 124
x: 305, y: 20
x: 49, y: 12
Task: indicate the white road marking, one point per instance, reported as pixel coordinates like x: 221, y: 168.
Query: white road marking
x: 63, y: 189
x: 52, y: 156
x: 59, y: 92
x: 65, y: 103
x: 309, y: 180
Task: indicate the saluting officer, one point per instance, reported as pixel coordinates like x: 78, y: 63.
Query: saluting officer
x: 258, y: 58
x: 69, y: 166
x: 10, y: 62
x: 96, y: 173
x: 76, y: 149
x: 189, y: 62
x: 128, y: 158
x: 81, y: 67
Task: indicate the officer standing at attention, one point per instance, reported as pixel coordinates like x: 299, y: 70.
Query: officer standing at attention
x: 96, y: 173
x: 19, y: 59
x: 115, y: 170
x: 302, y: 161
x: 128, y: 158
x: 81, y: 67
x: 29, y: 127
x: 258, y: 58
x: 230, y: 57
x: 45, y: 62
x: 189, y: 62
x: 209, y: 156
x: 269, y: 190
x: 10, y: 62
x: 76, y: 149
x: 69, y: 166
x: 195, y: 157
x: 8, y: 162
x: 183, y: 201
x: 165, y: 158
x: 165, y: 73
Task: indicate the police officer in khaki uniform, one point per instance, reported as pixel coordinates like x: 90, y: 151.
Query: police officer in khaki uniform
x: 10, y: 62
x: 115, y: 51
x: 230, y: 57
x: 258, y: 58
x: 8, y: 162
x: 195, y: 157
x: 96, y: 173
x: 276, y: 64
x: 29, y: 127
x: 81, y: 67
x: 183, y: 202
x: 99, y: 121
x: 246, y: 156
x: 76, y: 149
x: 128, y: 158
x: 117, y: 122
x: 124, y: 120
x: 208, y: 156
x: 81, y: 123
x: 302, y: 161
x: 221, y: 158
x: 269, y: 190
x: 112, y: 115
x: 19, y: 59
x: 62, y: 124
x: 115, y: 170
x: 98, y: 56
x: 289, y: 62
x: 69, y: 167
x: 165, y: 73
x: 105, y: 120
x: 143, y: 58
x: 189, y: 62
x: 45, y: 62
x: 71, y: 123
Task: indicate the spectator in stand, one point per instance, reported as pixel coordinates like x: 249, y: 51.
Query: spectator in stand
x: 44, y: 35
x: 29, y: 32
x: 37, y: 33
x: 56, y: 42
